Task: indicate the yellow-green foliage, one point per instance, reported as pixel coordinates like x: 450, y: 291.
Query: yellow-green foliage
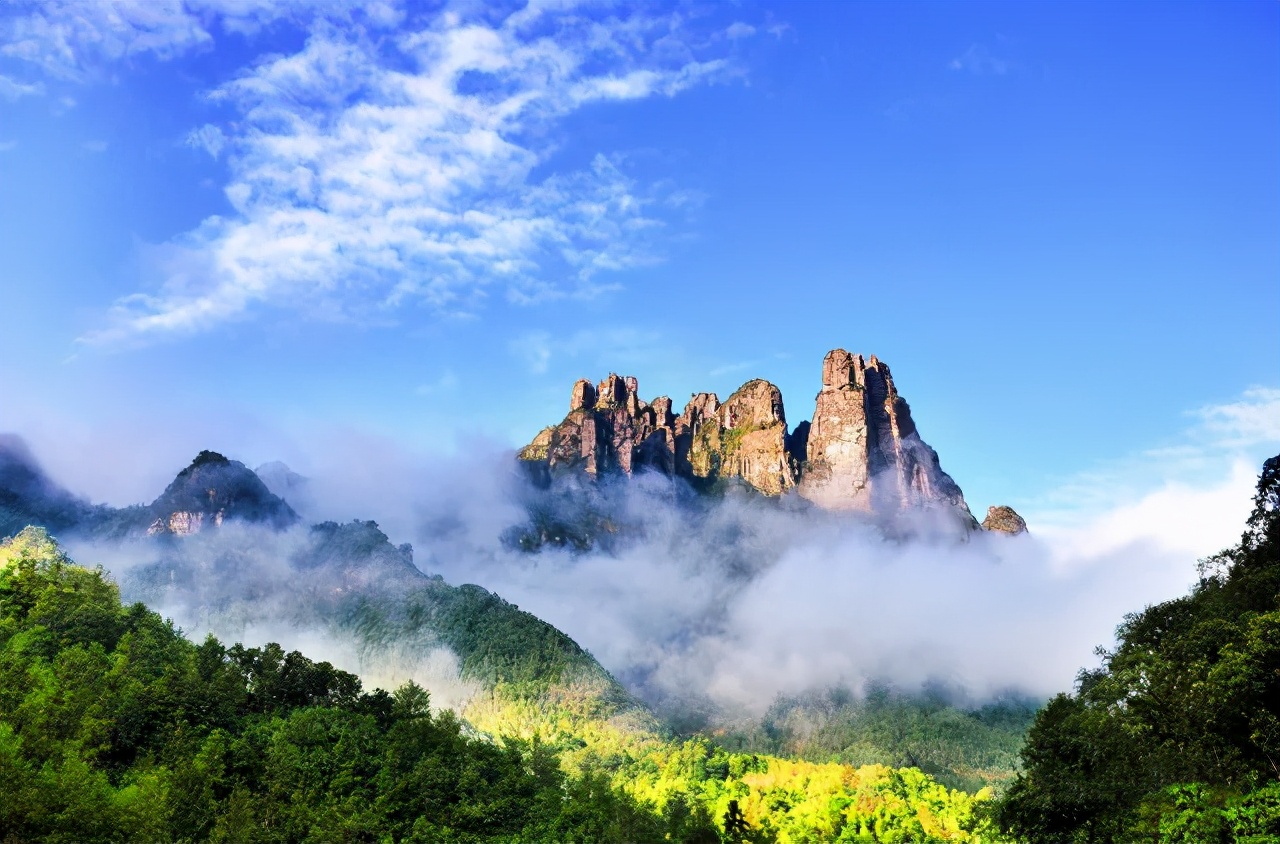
x: 33, y: 545
x: 781, y: 800
x: 713, y: 448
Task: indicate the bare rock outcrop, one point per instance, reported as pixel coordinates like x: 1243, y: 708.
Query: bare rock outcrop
x: 609, y: 428
x: 1003, y: 519
x: 861, y: 450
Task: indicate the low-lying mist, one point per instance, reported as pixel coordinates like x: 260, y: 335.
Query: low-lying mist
x: 723, y: 603
x: 717, y: 603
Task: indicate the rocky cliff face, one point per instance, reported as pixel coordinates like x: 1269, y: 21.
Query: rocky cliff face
x: 611, y: 429
x: 861, y: 450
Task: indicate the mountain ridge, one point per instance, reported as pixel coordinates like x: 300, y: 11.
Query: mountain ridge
x: 861, y: 451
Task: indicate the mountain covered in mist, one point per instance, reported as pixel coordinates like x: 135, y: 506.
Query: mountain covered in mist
x: 207, y: 492
x: 860, y: 452
x: 220, y: 546
x: 222, y: 553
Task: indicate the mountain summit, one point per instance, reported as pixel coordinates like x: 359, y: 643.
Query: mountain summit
x: 860, y: 452
x: 211, y: 490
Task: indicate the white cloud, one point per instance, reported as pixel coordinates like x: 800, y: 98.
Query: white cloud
x: 1253, y: 420
x: 535, y: 349
x: 68, y: 39
x: 738, y: 29
x: 72, y: 40
x: 208, y: 138
x: 94, y: 146
x: 370, y: 169
x: 730, y: 368
x: 11, y: 89
x: 5, y: 146
x: 979, y: 61
x: 608, y: 347
x: 445, y: 383
x: 1188, y: 497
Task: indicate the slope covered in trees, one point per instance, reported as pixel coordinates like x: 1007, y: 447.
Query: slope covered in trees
x: 968, y: 747
x: 1176, y: 738
x: 113, y: 727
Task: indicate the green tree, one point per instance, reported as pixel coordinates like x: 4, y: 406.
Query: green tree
x: 1179, y: 730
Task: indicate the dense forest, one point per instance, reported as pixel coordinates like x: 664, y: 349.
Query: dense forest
x: 114, y: 727
x: 1176, y: 737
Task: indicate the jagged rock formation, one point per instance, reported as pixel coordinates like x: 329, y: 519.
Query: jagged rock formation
x: 611, y: 429
x: 861, y: 451
x: 1004, y: 520
x: 211, y: 490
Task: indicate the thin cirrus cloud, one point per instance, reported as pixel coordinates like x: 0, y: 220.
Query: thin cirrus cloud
x: 77, y: 41
x: 393, y: 161
x: 11, y: 89
x: 979, y: 61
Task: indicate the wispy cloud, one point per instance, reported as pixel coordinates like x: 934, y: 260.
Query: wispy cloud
x: 67, y: 39
x: 1253, y: 420
x: 1190, y: 494
x: 979, y: 61
x: 595, y: 348
x: 730, y: 368
x: 446, y: 382
x: 11, y: 89
x: 5, y: 146
x: 208, y: 138
x: 76, y: 41
x: 534, y: 348
x: 378, y: 166
x: 96, y: 146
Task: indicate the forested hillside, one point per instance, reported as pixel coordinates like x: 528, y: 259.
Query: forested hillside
x: 966, y: 747
x: 113, y: 727
x: 1176, y: 738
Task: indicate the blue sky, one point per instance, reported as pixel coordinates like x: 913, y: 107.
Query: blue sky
x: 265, y: 228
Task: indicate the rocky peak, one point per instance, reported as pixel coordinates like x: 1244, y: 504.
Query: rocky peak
x: 861, y: 450
x: 1003, y: 519
x: 662, y: 415
x: 211, y: 490
x: 583, y: 396
x: 756, y: 404
x: 699, y: 407
x: 611, y: 392
x: 841, y: 370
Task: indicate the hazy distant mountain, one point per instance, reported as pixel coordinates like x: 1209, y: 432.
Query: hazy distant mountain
x: 209, y: 491
x: 214, y: 489
x: 284, y: 482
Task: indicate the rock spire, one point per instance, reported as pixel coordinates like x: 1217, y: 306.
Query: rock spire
x: 860, y: 451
